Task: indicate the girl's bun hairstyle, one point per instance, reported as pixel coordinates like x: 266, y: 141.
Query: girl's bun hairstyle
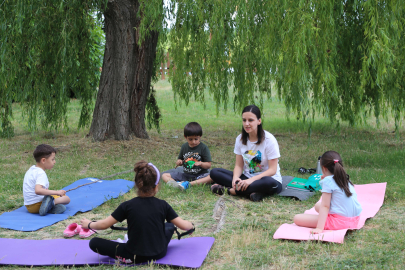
x: 145, y: 179
x: 332, y: 161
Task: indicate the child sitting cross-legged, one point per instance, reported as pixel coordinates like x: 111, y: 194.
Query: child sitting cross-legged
x: 37, y: 197
x: 339, y: 207
x: 195, y: 157
x: 148, y: 234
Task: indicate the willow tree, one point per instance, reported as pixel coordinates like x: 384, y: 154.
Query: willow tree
x: 343, y: 59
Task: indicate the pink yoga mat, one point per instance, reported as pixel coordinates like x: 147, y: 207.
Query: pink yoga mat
x: 371, y: 198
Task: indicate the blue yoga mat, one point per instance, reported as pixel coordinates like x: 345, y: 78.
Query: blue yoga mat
x: 82, y: 199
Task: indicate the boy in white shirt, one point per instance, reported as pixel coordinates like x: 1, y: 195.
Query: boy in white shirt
x: 37, y: 197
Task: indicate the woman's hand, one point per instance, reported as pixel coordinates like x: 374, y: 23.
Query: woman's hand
x: 243, y: 185
x: 234, y: 182
x: 316, y: 231
x: 85, y: 223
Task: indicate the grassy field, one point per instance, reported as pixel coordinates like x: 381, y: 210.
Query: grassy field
x: 370, y: 154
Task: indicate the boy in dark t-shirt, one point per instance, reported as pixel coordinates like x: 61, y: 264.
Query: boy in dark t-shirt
x: 195, y: 158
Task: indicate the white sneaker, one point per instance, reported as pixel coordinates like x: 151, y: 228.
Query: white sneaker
x: 173, y: 183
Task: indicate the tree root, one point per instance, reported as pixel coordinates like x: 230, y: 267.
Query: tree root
x: 219, y: 214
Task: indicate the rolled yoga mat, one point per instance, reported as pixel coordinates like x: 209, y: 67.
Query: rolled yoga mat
x: 188, y: 252
x: 371, y: 198
x: 82, y: 199
x: 300, y: 195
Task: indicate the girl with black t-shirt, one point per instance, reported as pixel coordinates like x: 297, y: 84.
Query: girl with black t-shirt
x: 148, y: 234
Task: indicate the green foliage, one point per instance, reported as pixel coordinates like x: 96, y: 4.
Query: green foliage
x: 48, y: 50
x: 343, y: 59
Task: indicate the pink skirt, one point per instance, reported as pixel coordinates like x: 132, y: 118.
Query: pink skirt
x: 337, y: 222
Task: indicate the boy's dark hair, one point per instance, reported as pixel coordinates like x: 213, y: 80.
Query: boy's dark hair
x: 260, y: 131
x: 192, y: 129
x: 332, y: 161
x: 43, y: 151
x: 145, y: 179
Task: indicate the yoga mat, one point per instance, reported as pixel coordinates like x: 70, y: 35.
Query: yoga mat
x: 82, y: 199
x: 187, y: 252
x: 371, y: 198
x: 300, y: 195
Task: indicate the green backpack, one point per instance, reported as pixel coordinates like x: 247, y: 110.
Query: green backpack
x: 313, y: 182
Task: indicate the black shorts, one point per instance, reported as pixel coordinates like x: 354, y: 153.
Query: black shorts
x: 181, y: 176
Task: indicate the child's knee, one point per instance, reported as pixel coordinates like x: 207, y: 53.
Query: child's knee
x: 166, y: 177
x: 297, y: 219
x: 62, y: 200
x: 94, y: 244
x: 67, y: 199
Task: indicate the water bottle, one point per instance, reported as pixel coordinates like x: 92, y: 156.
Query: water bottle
x: 318, y: 166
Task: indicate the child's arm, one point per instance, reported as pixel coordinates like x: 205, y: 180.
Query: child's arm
x: 40, y: 190
x: 238, y: 170
x: 182, y: 224
x: 204, y: 165
x: 205, y: 162
x: 98, y: 225
x: 323, y: 212
x: 180, y: 158
x: 179, y: 162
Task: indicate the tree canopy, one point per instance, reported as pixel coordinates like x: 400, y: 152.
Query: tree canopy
x: 48, y: 49
x: 343, y: 59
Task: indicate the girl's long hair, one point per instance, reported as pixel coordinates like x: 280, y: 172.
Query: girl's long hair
x: 332, y: 161
x: 145, y: 179
x: 260, y: 131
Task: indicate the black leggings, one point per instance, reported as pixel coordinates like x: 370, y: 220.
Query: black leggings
x: 266, y: 185
x: 119, y: 251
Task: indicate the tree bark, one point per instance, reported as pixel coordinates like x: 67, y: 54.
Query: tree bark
x: 126, y: 75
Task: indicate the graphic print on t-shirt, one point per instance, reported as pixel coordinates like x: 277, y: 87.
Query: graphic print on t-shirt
x: 252, y: 160
x: 189, y: 159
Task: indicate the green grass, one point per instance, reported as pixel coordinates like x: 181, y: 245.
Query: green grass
x: 370, y: 154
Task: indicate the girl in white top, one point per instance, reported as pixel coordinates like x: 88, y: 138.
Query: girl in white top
x: 339, y: 207
x: 256, y: 173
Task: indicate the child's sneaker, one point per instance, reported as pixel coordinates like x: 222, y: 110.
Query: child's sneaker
x: 46, y: 206
x: 84, y: 233
x: 173, y: 183
x: 71, y: 230
x: 58, y: 209
x: 184, y: 185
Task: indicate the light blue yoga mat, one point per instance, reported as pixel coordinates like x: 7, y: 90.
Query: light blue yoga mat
x: 82, y: 199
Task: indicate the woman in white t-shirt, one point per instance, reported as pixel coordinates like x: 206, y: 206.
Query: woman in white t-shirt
x: 256, y: 173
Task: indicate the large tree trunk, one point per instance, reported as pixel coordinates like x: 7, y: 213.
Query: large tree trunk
x: 126, y: 75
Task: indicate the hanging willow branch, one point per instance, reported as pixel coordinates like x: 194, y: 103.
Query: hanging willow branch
x: 342, y: 59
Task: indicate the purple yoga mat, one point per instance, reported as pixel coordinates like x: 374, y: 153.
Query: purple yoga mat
x: 188, y: 252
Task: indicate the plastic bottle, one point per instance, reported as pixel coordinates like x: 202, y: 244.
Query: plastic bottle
x: 318, y: 166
